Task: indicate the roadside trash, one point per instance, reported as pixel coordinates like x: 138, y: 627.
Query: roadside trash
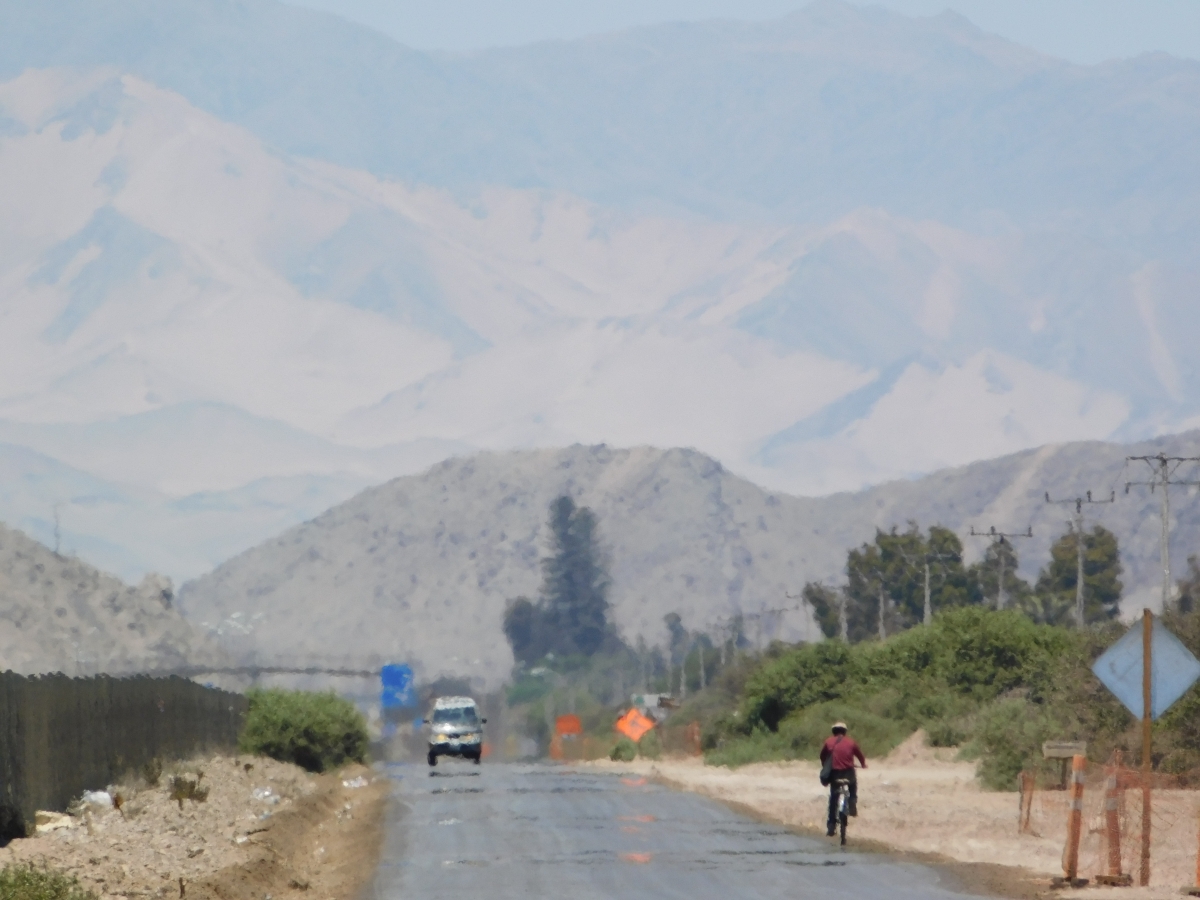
x: 358, y: 782
x: 45, y: 822
x: 266, y: 795
x: 102, y: 799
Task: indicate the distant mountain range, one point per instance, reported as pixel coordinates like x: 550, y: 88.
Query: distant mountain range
x: 254, y: 258
x: 419, y: 569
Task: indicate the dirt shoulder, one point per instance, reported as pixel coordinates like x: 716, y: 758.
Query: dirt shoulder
x: 264, y: 828
x: 919, y: 803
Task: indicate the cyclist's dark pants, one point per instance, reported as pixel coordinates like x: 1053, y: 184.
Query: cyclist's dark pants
x: 833, y: 792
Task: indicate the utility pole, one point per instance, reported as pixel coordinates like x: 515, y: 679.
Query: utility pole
x: 999, y: 539
x: 1163, y: 467
x: 932, y: 557
x: 927, y: 617
x: 1077, y: 526
x: 809, y: 615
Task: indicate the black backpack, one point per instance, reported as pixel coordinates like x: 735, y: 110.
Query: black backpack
x: 827, y: 766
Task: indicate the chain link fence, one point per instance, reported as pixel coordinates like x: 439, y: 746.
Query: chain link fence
x: 1110, y: 831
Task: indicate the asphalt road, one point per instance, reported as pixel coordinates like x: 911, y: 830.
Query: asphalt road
x: 528, y: 831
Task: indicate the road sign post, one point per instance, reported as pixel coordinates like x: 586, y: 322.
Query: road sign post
x: 1147, y: 684
x: 1147, y: 672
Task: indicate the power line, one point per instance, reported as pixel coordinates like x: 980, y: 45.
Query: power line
x: 999, y: 539
x: 762, y: 614
x: 1162, y: 468
x: 1077, y: 526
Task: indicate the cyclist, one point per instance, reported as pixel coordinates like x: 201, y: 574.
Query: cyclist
x: 842, y: 750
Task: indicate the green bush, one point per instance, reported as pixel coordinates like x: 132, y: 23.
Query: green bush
x: 27, y: 882
x: 813, y: 673
x: 316, y: 731
x: 939, y: 678
x: 760, y: 746
x: 945, y: 733
x: 650, y: 746
x: 528, y: 689
x: 624, y: 750
x: 801, y: 735
x: 877, y: 735
x: 1009, y: 738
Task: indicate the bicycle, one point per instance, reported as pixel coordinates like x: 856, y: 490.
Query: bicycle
x: 843, y: 805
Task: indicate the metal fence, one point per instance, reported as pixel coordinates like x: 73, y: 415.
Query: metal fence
x: 60, y: 736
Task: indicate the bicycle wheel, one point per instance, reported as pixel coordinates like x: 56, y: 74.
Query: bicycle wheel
x: 842, y: 817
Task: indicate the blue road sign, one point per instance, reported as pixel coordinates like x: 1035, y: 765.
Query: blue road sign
x: 1173, y: 669
x: 398, y: 689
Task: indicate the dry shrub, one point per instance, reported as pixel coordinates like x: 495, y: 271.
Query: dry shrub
x: 181, y: 787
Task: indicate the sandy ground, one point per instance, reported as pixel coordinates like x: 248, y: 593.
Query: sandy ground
x: 920, y: 800
x: 264, y: 829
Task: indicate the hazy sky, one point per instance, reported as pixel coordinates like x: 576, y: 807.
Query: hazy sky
x: 1080, y: 30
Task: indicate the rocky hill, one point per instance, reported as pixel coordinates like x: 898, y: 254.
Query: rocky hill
x: 419, y: 569
x: 58, y: 614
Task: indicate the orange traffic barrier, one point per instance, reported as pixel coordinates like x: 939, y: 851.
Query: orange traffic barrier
x: 1075, y: 819
x: 1112, y: 820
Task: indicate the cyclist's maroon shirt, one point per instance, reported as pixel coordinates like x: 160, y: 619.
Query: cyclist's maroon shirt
x: 845, y: 750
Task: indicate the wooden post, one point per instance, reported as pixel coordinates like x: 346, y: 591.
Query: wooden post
x: 1075, y: 821
x: 1197, y: 862
x: 1195, y: 890
x: 1112, y: 821
x: 1026, y: 782
x: 1147, y: 626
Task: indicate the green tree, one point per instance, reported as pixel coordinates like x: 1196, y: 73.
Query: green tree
x: 825, y: 602
x: 575, y: 579
x: 1189, y: 588
x: 525, y: 626
x: 866, y: 593
x: 892, y: 571
x: 571, y: 616
x: 1049, y: 608
x: 949, y: 584
x: 1101, y: 574
x: 984, y: 576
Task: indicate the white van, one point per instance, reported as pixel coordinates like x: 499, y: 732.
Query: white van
x: 456, y: 729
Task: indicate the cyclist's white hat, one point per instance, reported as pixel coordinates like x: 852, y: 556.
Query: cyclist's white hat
x: 841, y: 725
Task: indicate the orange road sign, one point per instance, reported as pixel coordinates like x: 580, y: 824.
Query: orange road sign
x: 634, y: 725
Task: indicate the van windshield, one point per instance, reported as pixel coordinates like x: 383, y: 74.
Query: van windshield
x: 459, y: 715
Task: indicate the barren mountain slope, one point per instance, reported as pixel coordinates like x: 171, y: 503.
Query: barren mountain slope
x: 419, y: 569
x: 254, y: 258
x: 58, y: 614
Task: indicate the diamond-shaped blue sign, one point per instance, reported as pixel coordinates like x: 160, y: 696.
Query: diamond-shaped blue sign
x: 1173, y: 669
